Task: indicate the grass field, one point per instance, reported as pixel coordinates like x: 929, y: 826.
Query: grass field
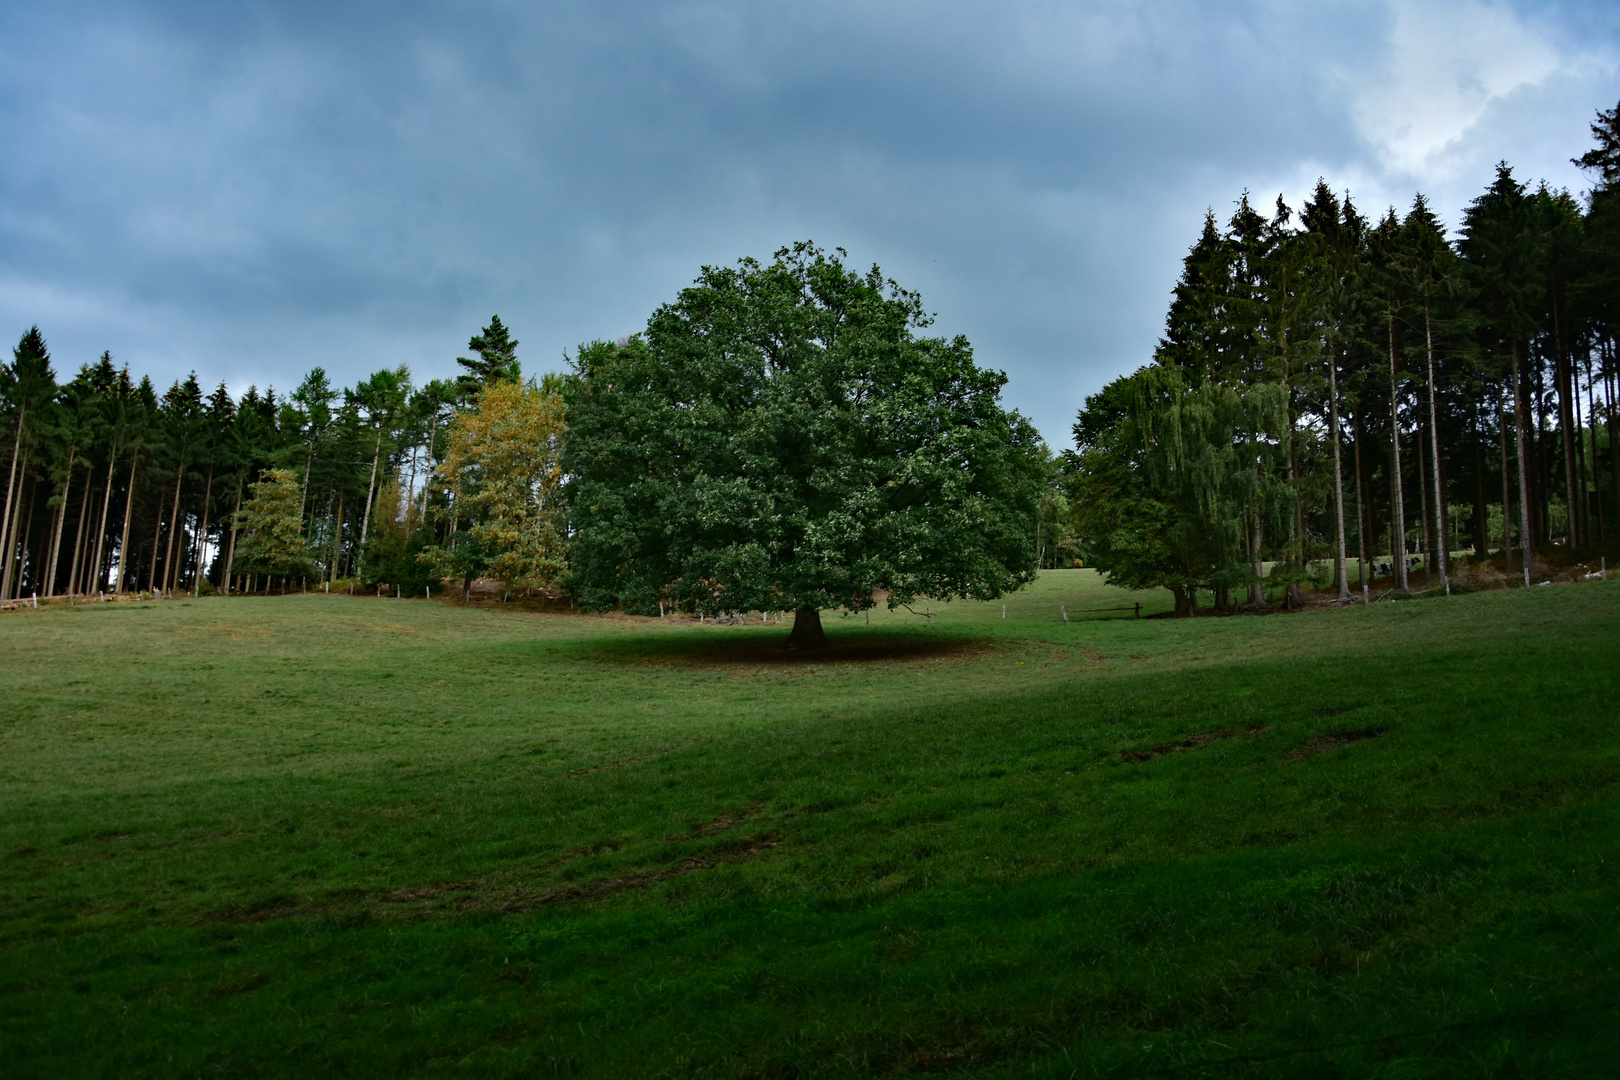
x: 326, y: 835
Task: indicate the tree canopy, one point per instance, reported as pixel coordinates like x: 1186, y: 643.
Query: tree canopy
x: 784, y: 438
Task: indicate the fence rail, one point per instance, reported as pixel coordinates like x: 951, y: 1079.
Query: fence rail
x: 1064, y: 609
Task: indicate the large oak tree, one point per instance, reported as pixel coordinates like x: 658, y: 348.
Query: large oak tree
x: 784, y: 438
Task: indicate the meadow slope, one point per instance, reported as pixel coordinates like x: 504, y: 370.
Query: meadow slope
x: 330, y: 835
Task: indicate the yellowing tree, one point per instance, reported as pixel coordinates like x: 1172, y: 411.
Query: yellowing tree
x: 502, y: 463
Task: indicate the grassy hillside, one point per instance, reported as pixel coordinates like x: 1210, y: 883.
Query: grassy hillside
x: 310, y: 835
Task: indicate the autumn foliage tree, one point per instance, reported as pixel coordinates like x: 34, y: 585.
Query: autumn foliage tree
x: 502, y: 460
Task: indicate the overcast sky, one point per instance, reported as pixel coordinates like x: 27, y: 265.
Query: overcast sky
x: 250, y: 190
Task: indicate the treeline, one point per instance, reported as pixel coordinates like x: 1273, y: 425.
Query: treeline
x: 1331, y: 387
x: 111, y: 486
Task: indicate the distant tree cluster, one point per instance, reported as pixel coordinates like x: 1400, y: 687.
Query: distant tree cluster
x: 111, y: 486
x: 1330, y: 385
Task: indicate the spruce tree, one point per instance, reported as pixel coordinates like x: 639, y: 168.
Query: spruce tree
x: 497, y: 358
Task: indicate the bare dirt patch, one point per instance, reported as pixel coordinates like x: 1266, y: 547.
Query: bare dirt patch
x: 1330, y: 740
x: 775, y: 653
x: 744, y: 850
x: 1191, y: 742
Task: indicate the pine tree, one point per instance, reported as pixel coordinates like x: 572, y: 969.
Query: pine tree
x: 1500, y: 248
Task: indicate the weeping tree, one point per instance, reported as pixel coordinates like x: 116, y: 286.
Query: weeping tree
x: 1169, y: 476
x: 784, y: 438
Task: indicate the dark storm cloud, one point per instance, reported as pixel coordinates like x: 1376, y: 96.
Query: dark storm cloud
x: 249, y: 192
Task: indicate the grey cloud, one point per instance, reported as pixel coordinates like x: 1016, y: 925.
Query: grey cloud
x: 251, y: 194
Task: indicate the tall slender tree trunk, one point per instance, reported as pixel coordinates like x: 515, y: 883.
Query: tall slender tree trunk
x: 1591, y: 425
x: 1535, y: 408
x: 1524, y: 479
x: 1579, y: 504
x: 1341, y: 569
x: 157, y: 542
x: 61, y: 525
x: 1481, y: 540
x: 337, y: 541
x: 410, y: 492
x: 8, y: 528
x: 427, y: 481
x: 1363, y: 517
x: 13, y: 516
x: 78, y: 539
x: 174, y: 523
x: 101, y: 527
x: 1612, y: 423
x: 365, y: 520
x: 1434, y: 455
x: 1423, y: 501
x: 1507, y: 500
x: 31, y: 562
x: 303, y: 490
x: 1397, y: 536
x: 230, y: 554
x: 123, y: 543
x: 1566, y: 424
x: 202, y: 534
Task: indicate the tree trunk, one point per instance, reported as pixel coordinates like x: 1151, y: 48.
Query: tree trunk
x: 1507, y: 489
x: 202, y: 534
x: 15, y: 539
x: 337, y: 540
x: 1296, y: 523
x: 427, y: 482
x: 1257, y: 591
x: 157, y: 542
x: 78, y: 539
x: 1423, y: 501
x: 1580, y: 455
x: 61, y: 526
x: 1597, y: 479
x: 230, y: 555
x: 1613, y: 424
x: 106, y: 506
x: 1340, y: 569
x: 1535, y: 408
x: 807, y: 634
x: 27, y: 531
x: 1566, y: 423
x: 1482, y: 535
x: 174, y: 520
x: 8, y: 526
x: 1443, y: 542
x: 123, y: 543
x: 1519, y: 418
x: 360, y: 556
x: 1397, y: 532
x: 1363, y: 518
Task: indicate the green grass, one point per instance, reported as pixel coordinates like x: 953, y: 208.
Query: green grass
x: 322, y: 835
